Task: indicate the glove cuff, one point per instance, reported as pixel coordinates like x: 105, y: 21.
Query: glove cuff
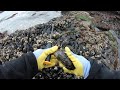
x: 37, y: 53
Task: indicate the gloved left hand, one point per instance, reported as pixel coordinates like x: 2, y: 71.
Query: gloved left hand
x: 41, y: 55
x: 82, y: 65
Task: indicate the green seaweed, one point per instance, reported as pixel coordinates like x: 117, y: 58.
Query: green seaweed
x: 82, y: 17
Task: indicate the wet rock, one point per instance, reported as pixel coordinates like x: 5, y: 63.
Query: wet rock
x: 106, y: 20
x: 103, y: 26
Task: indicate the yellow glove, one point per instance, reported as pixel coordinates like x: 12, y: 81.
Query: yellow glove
x: 82, y: 65
x: 41, y: 55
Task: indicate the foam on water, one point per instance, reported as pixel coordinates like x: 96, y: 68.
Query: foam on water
x: 18, y: 20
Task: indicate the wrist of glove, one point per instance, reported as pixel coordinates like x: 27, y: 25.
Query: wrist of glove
x: 41, y: 55
x: 82, y: 65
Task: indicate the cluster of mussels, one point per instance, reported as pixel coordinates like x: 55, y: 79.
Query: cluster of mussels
x: 54, y: 73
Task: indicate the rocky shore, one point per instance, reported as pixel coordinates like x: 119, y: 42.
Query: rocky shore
x: 76, y: 29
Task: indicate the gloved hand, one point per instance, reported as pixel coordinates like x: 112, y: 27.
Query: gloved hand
x: 41, y: 55
x: 82, y: 65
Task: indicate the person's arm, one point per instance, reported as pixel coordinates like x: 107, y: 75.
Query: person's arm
x: 27, y: 66
x: 100, y: 71
x: 24, y: 67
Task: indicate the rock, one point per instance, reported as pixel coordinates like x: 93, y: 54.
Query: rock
x: 103, y: 26
x: 86, y: 24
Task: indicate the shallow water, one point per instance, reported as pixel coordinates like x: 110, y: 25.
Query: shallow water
x: 18, y: 20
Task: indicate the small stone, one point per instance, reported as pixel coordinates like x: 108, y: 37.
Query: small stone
x: 97, y: 56
x: 80, y: 52
x: 55, y: 68
x: 93, y: 57
x: 92, y: 53
x: 7, y: 57
x: 56, y: 35
x: 87, y: 54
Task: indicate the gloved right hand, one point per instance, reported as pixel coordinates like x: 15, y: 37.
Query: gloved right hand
x: 41, y: 55
x: 82, y: 65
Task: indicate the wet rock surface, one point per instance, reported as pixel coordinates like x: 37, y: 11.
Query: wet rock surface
x: 106, y: 20
x: 74, y: 30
